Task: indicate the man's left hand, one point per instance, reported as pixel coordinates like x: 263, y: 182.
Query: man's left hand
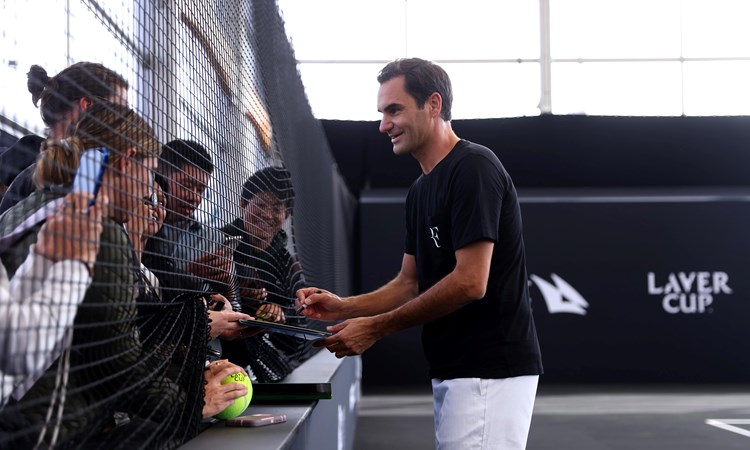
x: 352, y: 337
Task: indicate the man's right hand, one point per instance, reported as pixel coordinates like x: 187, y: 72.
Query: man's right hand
x: 217, y: 266
x: 320, y: 304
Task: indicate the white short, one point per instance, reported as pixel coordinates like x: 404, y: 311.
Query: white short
x: 474, y: 413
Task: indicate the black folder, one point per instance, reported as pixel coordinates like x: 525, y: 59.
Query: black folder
x: 290, y: 392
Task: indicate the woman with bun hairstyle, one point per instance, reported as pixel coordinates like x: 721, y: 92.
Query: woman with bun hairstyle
x: 119, y: 387
x: 105, y: 319
x: 61, y: 99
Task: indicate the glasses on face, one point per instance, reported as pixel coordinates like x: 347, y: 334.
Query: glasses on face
x: 152, y: 200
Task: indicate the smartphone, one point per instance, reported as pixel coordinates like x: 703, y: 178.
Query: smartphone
x: 90, y: 172
x: 256, y: 420
x: 232, y: 242
x: 230, y: 239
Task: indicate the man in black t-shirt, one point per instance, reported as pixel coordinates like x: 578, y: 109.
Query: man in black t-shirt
x: 463, y: 274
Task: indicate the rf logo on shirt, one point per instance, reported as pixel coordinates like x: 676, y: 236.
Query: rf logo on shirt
x: 434, y: 236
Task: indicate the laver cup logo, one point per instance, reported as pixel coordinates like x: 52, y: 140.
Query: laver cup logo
x: 560, y: 297
x: 688, y: 292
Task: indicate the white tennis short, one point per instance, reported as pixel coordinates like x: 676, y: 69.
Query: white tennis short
x: 474, y: 413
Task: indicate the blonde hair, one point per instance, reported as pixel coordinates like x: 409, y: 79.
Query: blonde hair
x: 116, y: 127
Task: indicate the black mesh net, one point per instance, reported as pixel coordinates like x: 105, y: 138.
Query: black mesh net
x: 175, y: 182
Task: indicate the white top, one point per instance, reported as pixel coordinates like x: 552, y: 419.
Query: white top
x: 37, y: 307
x: 151, y: 279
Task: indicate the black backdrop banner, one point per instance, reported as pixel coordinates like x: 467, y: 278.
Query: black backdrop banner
x: 640, y: 289
x: 634, y: 232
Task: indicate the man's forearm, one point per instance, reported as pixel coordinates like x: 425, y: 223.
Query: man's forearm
x: 387, y: 298
x: 445, y: 297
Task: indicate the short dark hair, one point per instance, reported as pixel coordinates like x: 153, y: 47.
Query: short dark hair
x: 422, y: 78
x: 276, y: 180
x: 180, y: 152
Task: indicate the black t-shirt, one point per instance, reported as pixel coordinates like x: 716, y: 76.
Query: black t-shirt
x: 466, y: 198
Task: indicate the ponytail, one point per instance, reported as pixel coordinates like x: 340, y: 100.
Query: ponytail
x: 57, y: 162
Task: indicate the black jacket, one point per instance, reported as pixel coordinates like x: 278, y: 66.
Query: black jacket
x: 110, y: 368
x: 271, y: 356
x: 19, y: 156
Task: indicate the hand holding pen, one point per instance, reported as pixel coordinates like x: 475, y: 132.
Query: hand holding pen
x: 301, y: 306
x: 319, y: 304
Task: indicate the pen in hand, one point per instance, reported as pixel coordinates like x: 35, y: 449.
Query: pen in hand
x: 302, y: 307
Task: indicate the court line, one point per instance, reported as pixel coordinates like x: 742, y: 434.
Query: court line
x: 634, y: 199
x: 398, y: 198
x: 728, y: 425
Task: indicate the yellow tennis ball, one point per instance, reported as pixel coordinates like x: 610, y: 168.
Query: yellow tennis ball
x: 241, y: 403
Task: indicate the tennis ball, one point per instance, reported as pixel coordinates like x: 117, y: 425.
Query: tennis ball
x: 240, y: 404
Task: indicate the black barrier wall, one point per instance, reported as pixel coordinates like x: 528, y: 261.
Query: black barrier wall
x: 634, y: 237
x: 640, y: 288
x: 569, y: 151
